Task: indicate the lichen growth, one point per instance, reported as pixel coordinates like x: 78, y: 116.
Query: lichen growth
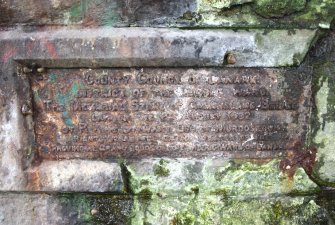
x: 160, y: 169
x: 323, y: 118
x: 183, y: 218
x: 210, y: 210
x: 111, y: 209
x: 260, y: 14
x: 210, y: 5
x: 145, y: 194
x: 234, y: 177
x: 220, y: 191
x: 76, y: 207
x: 278, y: 8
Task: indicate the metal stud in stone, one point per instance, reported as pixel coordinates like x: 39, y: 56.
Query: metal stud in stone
x: 27, y: 70
x: 40, y: 70
x: 26, y: 109
x: 230, y: 58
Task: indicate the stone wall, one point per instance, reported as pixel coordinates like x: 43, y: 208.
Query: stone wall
x: 290, y: 40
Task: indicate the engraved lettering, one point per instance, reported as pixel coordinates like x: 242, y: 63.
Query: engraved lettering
x: 173, y: 112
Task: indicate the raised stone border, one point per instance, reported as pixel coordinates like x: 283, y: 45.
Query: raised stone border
x: 112, y: 47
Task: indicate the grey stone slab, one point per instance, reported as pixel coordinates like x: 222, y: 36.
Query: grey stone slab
x: 323, y: 123
x: 121, y: 47
x: 26, y: 209
x: 11, y: 168
x: 75, y: 176
x: 64, y: 209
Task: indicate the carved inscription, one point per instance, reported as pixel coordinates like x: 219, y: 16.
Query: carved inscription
x: 177, y: 112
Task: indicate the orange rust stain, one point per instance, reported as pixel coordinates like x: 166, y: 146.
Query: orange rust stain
x: 9, y: 53
x: 51, y: 49
x: 299, y: 157
x: 34, y: 183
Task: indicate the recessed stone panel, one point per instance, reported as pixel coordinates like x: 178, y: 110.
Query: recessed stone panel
x: 173, y: 112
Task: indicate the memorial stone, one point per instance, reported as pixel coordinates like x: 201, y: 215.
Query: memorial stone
x: 167, y: 112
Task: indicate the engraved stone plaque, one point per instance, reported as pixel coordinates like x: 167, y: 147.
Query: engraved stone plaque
x: 175, y: 112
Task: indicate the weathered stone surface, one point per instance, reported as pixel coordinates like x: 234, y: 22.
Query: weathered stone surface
x: 278, y: 8
x: 223, y: 209
x: 27, y: 209
x: 172, y: 13
x: 323, y: 123
x: 94, y: 13
x: 76, y: 175
x: 217, y: 5
x: 138, y: 47
x: 167, y: 177
x: 59, y: 209
x: 11, y: 168
x: 219, y: 208
x: 272, y: 13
